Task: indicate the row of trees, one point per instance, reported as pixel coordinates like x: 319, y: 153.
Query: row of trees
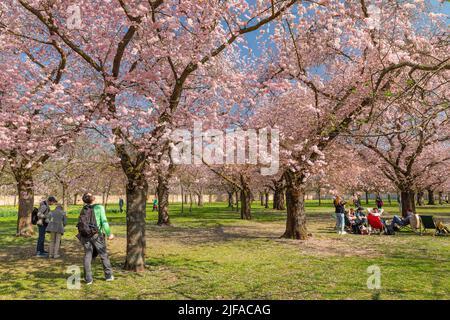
x: 343, y: 81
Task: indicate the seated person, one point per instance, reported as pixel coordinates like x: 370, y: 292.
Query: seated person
x: 351, y: 216
x: 360, y: 216
x: 350, y: 219
x: 375, y: 212
x: 396, y: 220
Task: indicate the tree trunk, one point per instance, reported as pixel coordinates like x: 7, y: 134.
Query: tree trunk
x: 367, y: 197
x: 186, y: 198
x: 163, y: 201
x: 408, y: 201
x: 261, y: 198
x: 182, y: 199
x: 75, y: 196
x: 136, y: 194
x: 430, y: 197
x: 440, y: 197
x: 266, y: 200
x: 26, y: 203
x: 200, y: 199
x: 190, y: 202
x: 246, y: 213
x: 210, y: 198
x: 108, y: 191
x: 230, y: 200
x: 237, y: 201
x: 389, y: 199
x: 281, y: 204
x: 420, y: 200
x: 296, y: 217
x: 64, y: 193
x: 319, y: 197
x: 278, y: 196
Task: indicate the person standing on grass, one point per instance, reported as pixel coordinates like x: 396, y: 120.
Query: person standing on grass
x: 93, y: 227
x: 121, y: 205
x: 155, y: 204
x: 42, y: 215
x: 379, y: 202
x: 57, y: 220
x: 339, y: 205
x: 356, y: 200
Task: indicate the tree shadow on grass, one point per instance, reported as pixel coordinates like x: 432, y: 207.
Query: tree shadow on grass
x: 213, y: 235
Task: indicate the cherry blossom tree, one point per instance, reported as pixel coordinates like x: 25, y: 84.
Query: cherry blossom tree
x: 334, y: 62
x: 145, y: 55
x: 40, y: 108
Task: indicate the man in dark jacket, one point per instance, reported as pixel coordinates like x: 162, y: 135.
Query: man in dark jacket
x: 44, y: 210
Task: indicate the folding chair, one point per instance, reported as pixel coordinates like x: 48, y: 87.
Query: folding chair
x: 427, y: 222
x: 413, y: 226
x: 375, y: 223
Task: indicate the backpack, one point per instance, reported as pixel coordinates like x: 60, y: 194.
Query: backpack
x: 87, y: 224
x: 34, y: 216
x: 389, y: 230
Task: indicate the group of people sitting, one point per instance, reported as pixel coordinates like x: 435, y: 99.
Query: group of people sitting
x: 357, y: 222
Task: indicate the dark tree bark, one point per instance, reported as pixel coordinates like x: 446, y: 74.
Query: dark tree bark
x: 230, y: 199
x: 420, y: 199
x: 26, y: 204
x: 261, y: 198
x: 136, y: 194
x: 64, y: 187
x: 440, y: 197
x: 408, y: 201
x: 278, y: 196
x: 108, y: 191
x: 296, y: 216
x: 367, y: 197
x: 430, y: 197
x: 266, y: 199
x: 319, y: 197
x: 246, y: 204
x: 246, y: 198
x: 163, y: 200
x: 237, y: 200
x: 75, y: 198
x: 200, y: 198
x: 182, y: 199
x: 389, y: 199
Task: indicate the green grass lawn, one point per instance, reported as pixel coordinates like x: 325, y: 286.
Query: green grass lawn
x: 212, y: 254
